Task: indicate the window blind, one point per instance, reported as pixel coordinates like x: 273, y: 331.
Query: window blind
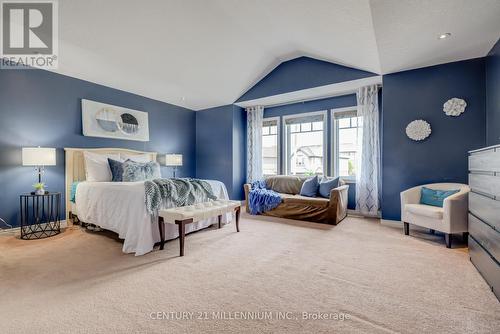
x: 305, y: 119
x: 269, y: 122
x: 345, y: 114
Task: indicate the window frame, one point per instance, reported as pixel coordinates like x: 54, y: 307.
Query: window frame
x: 335, y: 142
x: 286, y: 139
x: 278, y: 139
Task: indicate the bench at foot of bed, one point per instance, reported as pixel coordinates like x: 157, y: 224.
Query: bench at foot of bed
x: 181, y: 216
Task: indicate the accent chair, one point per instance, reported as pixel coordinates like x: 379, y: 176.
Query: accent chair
x: 449, y: 219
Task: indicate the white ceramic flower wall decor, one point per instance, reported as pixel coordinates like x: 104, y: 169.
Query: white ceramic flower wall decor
x: 418, y: 130
x: 454, y: 106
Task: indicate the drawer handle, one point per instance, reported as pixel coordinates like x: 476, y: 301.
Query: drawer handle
x: 481, y: 172
x: 479, y: 192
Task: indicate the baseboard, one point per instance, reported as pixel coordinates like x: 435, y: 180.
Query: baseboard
x: 17, y: 230
x: 391, y: 223
x: 356, y: 213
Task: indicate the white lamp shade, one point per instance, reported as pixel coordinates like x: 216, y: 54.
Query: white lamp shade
x: 173, y: 160
x: 39, y: 156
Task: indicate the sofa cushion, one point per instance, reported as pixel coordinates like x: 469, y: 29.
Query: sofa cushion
x: 303, y: 200
x: 326, y: 185
x: 310, y: 187
x: 425, y: 210
x: 285, y: 184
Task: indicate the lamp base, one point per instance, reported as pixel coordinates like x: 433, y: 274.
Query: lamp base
x: 46, y: 192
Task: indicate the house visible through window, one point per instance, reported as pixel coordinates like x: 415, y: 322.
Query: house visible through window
x: 305, y: 144
x: 347, y: 130
x: 270, y: 151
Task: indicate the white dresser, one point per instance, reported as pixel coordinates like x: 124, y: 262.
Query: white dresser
x: 484, y: 214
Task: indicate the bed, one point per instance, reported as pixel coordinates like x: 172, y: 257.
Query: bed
x: 119, y: 206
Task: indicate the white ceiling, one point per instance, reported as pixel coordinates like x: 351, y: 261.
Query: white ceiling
x: 200, y: 54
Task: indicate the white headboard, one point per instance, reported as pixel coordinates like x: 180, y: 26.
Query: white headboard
x: 75, y: 166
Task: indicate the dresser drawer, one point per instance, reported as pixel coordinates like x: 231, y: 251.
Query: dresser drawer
x: 487, y: 160
x: 485, y: 208
x: 487, y: 184
x: 489, y: 269
x: 485, y: 235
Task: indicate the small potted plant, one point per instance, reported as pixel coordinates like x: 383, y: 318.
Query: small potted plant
x: 39, y: 188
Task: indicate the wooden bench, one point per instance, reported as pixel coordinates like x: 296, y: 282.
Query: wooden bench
x: 181, y: 216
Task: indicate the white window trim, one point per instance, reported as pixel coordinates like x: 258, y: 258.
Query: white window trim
x: 325, y: 138
x: 278, y: 132
x: 334, y: 146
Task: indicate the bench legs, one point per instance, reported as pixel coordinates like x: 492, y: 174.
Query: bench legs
x: 161, y: 227
x: 237, y: 214
x: 237, y: 211
x: 182, y: 229
x: 182, y: 233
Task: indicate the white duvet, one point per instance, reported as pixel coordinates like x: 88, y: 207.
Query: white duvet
x: 119, y: 207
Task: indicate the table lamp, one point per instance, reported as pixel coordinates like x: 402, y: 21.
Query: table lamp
x: 173, y: 160
x: 39, y: 157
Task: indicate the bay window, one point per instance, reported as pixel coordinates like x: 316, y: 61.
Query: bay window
x: 270, y: 146
x: 305, y: 143
x: 347, y: 129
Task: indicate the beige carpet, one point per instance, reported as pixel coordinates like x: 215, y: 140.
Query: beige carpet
x: 374, y: 276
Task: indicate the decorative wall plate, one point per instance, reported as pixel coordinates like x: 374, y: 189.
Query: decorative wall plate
x: 418, y: 130
x: 454, y: 106
x: 108, y: 121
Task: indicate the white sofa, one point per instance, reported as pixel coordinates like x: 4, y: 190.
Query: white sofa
x: 451, y: 218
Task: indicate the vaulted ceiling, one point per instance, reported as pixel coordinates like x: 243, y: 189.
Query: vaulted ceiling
x: 200, y: 54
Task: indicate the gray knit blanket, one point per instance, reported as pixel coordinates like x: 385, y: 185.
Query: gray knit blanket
x: 169, y: 193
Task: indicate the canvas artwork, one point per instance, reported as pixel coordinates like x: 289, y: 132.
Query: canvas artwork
x: 108, y: 121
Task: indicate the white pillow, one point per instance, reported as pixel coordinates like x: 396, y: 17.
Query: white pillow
x: 97, y: 166
x: 136, y: 157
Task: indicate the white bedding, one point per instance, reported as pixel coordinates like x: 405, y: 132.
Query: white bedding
x: 119, y: 207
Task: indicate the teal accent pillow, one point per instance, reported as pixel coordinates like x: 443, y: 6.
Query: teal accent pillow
x: 435, y: 197
x: 310, y: 187
x: 116, y: 170
x: 74, y: 185
x: 137, y: 171
x: 327, y: 185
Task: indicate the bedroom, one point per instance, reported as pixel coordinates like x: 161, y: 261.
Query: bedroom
x: 198, y: 101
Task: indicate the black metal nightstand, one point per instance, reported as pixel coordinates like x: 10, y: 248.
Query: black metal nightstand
x: 40, y: 215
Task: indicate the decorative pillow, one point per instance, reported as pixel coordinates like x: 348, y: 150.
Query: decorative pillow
x: 327, y: 185
x: 97, y: 166
x: 136, y: 157
x: 310, y: 187
x: 435, y: 197
x: 137, y: 171
x: 116, y: 170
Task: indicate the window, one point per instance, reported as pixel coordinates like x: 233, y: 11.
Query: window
x: 305, y: 144
x: 270, y: 146
x: 347, y: 129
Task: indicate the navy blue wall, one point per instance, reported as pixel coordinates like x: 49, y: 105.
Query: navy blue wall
x: 41, y: 108
x: 493, y: 95
x: 420, y: 94
x: 239, y: 152
x: 221, y: 147
x: 301, y: 73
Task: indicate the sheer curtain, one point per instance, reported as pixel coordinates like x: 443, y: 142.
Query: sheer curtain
x: 254, y: 143
x: 367, y: 176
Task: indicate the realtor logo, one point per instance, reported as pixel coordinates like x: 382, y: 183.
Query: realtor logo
x: 29, y: 34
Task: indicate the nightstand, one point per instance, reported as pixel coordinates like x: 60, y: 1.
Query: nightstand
x: 40, y: 215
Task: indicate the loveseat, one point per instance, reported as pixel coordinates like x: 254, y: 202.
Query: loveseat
x: 294, y: 206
